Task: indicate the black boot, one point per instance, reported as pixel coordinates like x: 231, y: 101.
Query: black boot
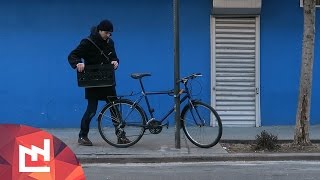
x: 84, y: 141
x: 122, y: 139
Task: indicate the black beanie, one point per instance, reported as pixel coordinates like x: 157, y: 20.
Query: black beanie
x: 105, y: 25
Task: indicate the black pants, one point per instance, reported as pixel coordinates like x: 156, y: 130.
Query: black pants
x: 90, y: 113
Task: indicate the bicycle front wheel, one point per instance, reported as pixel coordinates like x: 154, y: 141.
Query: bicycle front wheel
x: 201, y: 124
x: 125, y: 116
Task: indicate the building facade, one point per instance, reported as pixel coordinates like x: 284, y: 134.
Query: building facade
x: 249, y: 52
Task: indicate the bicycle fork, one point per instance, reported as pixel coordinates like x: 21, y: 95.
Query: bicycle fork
x: 195, y: 115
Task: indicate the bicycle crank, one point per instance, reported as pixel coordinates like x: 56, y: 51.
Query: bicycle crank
x: 155, y: 127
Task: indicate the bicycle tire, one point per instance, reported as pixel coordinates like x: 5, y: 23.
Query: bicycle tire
x: 132, y: 121
x: 194, y: 127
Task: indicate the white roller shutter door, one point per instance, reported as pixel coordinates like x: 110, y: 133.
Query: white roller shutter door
x: 235, y: 72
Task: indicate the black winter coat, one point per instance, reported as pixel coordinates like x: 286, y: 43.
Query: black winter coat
x: 90, y: 55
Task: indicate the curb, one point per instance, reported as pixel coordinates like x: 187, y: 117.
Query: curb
x: 251, y: 141
x: 121, y: 159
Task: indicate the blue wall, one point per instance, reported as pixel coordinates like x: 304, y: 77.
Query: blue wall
x: 39, y: 87
x: 281, y: 47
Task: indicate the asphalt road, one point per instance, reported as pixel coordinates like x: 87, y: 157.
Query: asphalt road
x: 231, y: 170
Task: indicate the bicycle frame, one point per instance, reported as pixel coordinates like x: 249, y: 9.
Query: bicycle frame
x: 145, y: 95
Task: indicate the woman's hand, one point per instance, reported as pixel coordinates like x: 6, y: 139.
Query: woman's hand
x: 80, y: 67
x: 115, y: 64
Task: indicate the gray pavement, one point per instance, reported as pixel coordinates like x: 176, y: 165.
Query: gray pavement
x: 161, y: 147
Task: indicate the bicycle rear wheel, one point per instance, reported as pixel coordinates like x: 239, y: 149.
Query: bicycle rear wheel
x: 127, y: 116
x: 196, y: 119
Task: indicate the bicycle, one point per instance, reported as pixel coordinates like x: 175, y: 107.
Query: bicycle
x: 134, y: 121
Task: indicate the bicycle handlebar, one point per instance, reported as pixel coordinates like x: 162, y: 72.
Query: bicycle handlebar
x: 192, y: 76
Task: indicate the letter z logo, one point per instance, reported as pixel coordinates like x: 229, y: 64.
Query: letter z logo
x: 34, y: 152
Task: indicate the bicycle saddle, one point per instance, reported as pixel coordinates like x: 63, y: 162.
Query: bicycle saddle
x: 139, y: 75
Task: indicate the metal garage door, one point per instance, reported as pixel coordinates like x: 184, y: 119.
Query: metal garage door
x: 235, y: 70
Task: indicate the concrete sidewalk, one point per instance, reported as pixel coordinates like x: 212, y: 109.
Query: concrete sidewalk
x: 161, y: 147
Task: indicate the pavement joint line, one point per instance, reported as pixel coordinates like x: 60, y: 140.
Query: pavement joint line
x: 249, y: 141
x: 199, y: 158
